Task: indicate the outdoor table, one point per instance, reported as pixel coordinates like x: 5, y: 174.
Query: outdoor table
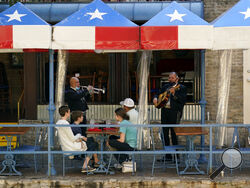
x: 102, y: 136
x: 190, y: 133
x: 9, y: 161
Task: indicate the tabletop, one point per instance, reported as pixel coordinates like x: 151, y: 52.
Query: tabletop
x: 103, y: 132
x: 14, y: 130
x: 185, y: 131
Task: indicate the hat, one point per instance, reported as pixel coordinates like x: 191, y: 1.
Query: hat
x: 128, y: 102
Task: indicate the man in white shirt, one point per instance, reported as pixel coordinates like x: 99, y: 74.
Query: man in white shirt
x: 129, y: 106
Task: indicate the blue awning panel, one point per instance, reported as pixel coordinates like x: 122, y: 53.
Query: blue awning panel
x: 135, y: 11
x: 19, y: 14
x: 238, y: 15
x: 173, y: 15
x: 96, y: 13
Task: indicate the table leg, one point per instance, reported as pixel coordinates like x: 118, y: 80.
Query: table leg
x: 102, y: 167
x: 191, y: 160
x: 9, y: 161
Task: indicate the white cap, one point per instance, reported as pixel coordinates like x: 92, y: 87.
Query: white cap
x: 128, y: 102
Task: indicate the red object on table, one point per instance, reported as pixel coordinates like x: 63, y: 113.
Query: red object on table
x: 95, y: 130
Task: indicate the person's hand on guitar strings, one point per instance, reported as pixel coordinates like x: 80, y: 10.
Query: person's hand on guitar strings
x: 172, y: 91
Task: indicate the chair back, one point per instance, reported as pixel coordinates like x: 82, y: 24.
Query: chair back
x: 162, y: 137
x: 152, y: 137
x: 41, y: 136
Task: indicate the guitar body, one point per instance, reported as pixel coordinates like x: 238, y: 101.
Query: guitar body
x: 164, y: 97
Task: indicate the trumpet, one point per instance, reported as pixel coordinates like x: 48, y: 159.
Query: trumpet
x: 95, y: 90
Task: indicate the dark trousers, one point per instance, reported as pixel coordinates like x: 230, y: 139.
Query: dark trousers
x: 92, y: 145
x: 120, y: 146
x: 84, y: 129
x: 169, y: 116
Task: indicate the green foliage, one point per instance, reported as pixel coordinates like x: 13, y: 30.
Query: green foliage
x: 12, y: 2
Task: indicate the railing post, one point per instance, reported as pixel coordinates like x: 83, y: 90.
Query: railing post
x: 51, y: 169
x: 210, y: 149
x: 203, y: 102
x: 249, y: 135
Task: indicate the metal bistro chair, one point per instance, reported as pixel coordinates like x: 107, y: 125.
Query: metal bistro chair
x: 73, y: 158
x: 215, y: 158
x: 165, y: 148
x: 235, y: 143
x: 39, y: 142
x: 236, y: 140
x: 131, y: 157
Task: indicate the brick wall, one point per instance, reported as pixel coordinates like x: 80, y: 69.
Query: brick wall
x: 213, y: 9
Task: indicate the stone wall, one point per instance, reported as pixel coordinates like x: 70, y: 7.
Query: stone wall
x: 213, y: 9
x: 122, y: 182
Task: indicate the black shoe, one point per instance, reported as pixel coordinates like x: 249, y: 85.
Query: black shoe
x: 88, y: 169
x: 96, y: 165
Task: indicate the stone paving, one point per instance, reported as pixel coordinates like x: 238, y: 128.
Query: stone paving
x: 143, y: 178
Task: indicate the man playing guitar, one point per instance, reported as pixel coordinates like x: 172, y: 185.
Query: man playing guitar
x: 171, y: 111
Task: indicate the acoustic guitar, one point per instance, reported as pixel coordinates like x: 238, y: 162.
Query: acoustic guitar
x: 164, y: 97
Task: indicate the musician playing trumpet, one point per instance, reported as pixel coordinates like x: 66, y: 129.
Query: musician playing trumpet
x: 174, y: 95
x: 77, y: 97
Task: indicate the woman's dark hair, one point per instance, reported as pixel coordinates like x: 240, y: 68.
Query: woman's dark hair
x: 121, y: 112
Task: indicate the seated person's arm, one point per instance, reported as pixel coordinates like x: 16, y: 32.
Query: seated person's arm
x: 122, y: 138
x: 84, y: 138
x: 78, y: 138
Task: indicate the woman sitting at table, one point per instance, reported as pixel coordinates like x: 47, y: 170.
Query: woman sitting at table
x: 128, y: 136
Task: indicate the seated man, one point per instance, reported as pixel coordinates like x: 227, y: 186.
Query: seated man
x: 129, y: 106
x: 68, y: 141
x: 77, y: 118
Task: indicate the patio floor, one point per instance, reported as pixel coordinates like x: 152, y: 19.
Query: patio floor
x: 143, y: 178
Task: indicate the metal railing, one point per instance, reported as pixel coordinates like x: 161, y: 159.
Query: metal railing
x: 51, y: 152
x: 191, y: 112
x: 18, y: 105
x: 83, y: 1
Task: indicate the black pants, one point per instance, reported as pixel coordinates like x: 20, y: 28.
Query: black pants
x: 120, y: 146
x: 92, y: 144
x: 169, y: 116
x: 84, y: 129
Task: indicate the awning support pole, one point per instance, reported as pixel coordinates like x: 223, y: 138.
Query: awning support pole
x: 51, y: 169
x: 203, y: 102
